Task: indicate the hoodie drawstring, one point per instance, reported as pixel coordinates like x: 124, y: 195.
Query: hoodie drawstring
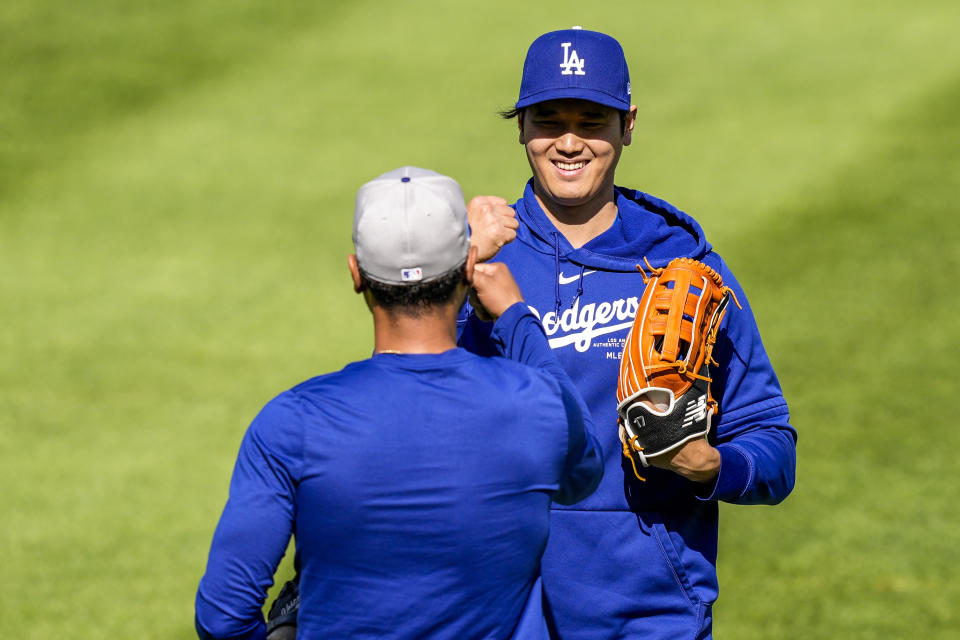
x: 579, y: 286
x: 556, y: 275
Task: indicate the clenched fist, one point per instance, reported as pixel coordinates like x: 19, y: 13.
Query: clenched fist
x: 494, y: 290
x: 493, y: 223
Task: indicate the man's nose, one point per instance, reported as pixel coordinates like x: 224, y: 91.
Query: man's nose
x: 569, y: 143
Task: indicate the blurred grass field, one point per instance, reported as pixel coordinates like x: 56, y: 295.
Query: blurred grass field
x: 176, y: 193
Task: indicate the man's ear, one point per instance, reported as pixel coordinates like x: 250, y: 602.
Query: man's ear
x: 520, y: 126
x: 471, y: 263
x: 629, y: 124
x: 355, y: 273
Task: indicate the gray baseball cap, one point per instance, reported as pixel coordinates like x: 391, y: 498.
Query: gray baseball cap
x: 410, y: 226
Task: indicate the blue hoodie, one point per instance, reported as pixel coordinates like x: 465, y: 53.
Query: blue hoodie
x: 638, y: 559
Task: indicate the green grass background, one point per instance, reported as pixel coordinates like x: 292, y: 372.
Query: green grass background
x: 176, y: 192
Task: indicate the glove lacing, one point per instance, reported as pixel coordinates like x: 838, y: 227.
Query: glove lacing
x: 681, y: 366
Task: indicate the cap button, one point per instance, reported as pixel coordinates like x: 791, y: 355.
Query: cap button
x: 405, y: 179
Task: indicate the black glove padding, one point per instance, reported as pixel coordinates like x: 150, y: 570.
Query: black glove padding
x: 282, y: 618
x: 649, y: 432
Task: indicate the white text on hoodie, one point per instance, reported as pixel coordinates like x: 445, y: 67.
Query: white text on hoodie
x: 580, y: 325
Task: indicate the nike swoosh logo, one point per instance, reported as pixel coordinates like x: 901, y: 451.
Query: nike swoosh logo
x: 567, y: 280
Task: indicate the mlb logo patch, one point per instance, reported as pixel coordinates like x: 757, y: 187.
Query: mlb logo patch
x: 413, y: 274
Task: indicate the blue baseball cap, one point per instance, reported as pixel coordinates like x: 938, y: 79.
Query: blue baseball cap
x: 575, y: 63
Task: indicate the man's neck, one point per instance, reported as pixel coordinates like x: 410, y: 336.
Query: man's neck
x: 582, y: 223
x: 433, y: 331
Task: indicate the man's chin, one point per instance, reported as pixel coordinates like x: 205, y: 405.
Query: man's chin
x: 568, y: 198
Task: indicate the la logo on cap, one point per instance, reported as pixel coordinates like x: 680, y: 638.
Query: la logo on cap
x: 571, y: 61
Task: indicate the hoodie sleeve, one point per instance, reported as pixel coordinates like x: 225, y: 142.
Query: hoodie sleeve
x: 756, y: 442
x: 518, y: 335
x: 255, y: 526
x: 473, y: 334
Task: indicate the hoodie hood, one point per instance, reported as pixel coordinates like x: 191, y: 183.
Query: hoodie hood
x: 645, y: 227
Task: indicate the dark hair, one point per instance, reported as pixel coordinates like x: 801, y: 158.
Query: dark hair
x: 513, y: 112
x: 414, y: 299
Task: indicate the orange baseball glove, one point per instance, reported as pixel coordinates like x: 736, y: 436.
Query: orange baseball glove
x: 663, y: 394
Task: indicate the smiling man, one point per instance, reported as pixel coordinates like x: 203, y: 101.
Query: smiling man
x: 573, y: 147
x: 636, y: 559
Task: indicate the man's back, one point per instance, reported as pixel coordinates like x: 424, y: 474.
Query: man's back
x: 422, y: 486
x: 418, y: 482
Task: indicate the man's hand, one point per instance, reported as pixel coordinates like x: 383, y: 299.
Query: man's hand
x: 696, y: 461
x: 493, y: 223
x: 494, y: 290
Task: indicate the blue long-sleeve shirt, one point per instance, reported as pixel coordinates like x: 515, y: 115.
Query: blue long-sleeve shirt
x: 418, y: 487
x: 638, y: 559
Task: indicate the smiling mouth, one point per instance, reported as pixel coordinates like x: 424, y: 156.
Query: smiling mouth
x: 569, y: 166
